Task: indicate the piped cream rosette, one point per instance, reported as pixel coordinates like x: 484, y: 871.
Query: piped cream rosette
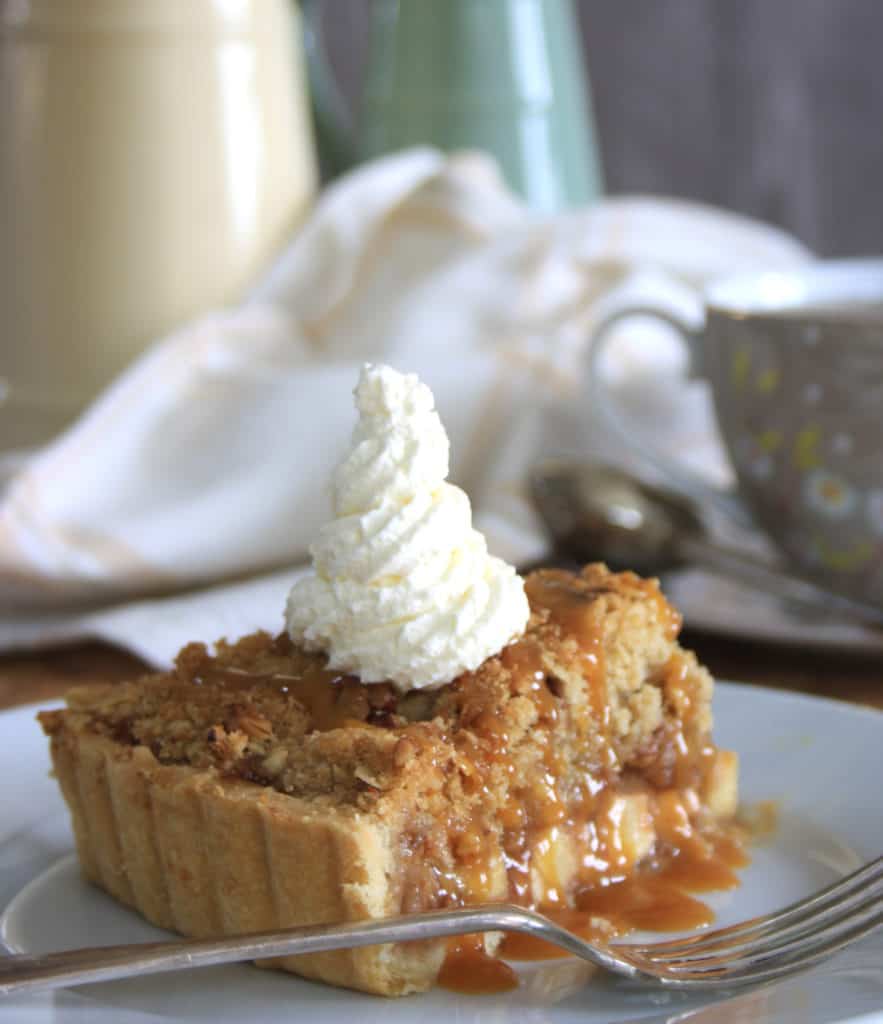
x: 403, y: 588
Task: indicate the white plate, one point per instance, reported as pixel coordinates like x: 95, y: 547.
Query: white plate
x: 820, y: 759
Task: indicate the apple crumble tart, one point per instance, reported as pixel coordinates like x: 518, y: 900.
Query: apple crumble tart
x: 254, y: 788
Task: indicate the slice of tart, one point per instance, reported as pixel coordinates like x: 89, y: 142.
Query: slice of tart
x: 254, y: 788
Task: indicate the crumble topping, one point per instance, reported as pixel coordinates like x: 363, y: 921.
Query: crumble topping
x: 518, y: 775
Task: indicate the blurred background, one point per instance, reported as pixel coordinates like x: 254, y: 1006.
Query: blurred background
x: 766, y: 107
x: 188, y: 126
x: 172, y: 264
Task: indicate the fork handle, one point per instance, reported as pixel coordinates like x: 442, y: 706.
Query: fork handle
x: 26, y: 973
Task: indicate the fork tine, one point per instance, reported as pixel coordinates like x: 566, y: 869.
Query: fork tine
x: 767, y: 934
x: 850, y: 887
x: 782, y: 944
x: 806, y: 953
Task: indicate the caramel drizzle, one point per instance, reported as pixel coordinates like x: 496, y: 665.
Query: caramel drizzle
x: 610, y: 900
x: 332, y: 700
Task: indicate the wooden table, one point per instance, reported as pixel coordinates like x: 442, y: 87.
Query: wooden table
x: 26, y: 678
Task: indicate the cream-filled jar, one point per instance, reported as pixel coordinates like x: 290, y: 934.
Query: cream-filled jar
x: 153, y: 157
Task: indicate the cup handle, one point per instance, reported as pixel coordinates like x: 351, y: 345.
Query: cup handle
x: 624, y: 304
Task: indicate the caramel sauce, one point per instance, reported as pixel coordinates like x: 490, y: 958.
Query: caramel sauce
x: 516, y: 946
x: 668, y: 615
x: 554, y: 590
x: 612, y: 900
x: 332, y: 700
x: 655, y: 900
x: 573, y: 611
x: 645, y: 903
x: 706, y: 865
x: 608, y: 897
x: 468, y: 969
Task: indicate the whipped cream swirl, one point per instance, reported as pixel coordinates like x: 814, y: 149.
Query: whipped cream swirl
x: 403, y: 588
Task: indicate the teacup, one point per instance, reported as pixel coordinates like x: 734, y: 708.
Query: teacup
x: 795, y: 363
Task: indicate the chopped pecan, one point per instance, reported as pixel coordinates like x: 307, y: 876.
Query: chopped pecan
x: 227, y: 747
x: 250, y: 721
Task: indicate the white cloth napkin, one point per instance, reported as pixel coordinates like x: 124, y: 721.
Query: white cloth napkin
x: 209, y: 457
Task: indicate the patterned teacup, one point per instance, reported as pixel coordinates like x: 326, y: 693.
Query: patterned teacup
x: 795, y: 363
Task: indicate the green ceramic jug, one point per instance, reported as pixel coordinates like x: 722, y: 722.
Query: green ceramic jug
x: 505, y: 76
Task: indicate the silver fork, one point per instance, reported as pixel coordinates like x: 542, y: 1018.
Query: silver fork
x: 761, y: 949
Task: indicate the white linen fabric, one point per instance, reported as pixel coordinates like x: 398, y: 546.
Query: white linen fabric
x: 209, y: 458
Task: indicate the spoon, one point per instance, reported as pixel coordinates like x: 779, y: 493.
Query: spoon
x: 593, y: 512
